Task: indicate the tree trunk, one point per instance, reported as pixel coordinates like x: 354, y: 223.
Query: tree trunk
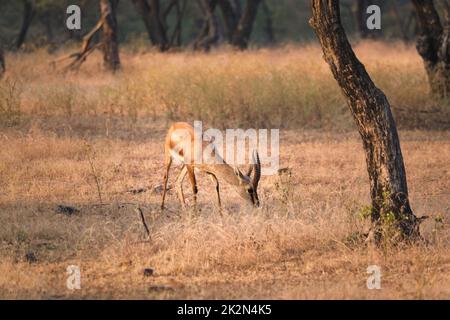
x: 433, y: 45
x: 241, y: 35
x: 144, y: 10
x: 230, y: 18
x: 28, y: 14
x: 110, y: 44
x: 160, y: 31
x: 268, y: 26
x: 209, y: 34
x: 2, y: 63
x: 372, y: 114
x: 150, y: 13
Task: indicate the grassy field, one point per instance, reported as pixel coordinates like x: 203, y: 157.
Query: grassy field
x: 95, y: 141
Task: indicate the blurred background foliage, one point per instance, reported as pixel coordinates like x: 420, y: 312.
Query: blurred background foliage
x: 287, y: 18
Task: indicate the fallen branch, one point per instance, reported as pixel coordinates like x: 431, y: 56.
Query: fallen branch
x: 86, y: 49
x: 139, y: 210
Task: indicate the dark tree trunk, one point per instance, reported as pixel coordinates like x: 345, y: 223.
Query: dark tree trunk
x: 150, y: 12
x: 159, y: 28
x: 268, y: 26
x: 2, y: 63
x: 176, y: 35
x: 110, y: 44
x: 372, y: 113
x: 28, y: 14
x: 433, y: 45
x: 238, y: 27
x: 209, y: 34
x: 230, y: 18
x: 241, y: 35
x: 144, y: 10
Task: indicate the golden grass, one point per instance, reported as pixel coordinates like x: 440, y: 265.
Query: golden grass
x: 84, y: 132
x: 290, y: 87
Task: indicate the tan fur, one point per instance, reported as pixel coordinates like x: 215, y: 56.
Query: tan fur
x: 178, y: 138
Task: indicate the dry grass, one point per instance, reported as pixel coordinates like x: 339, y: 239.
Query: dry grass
x: 85, y: 136
x: 290, y: 87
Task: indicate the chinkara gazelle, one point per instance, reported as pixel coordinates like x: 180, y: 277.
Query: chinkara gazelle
x: 179, y: 146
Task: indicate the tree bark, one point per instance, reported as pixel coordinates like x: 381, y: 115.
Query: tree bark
x: 373, y: 117
x: 110, y: 44
x: 209, y: 34
x: 268, y: 26
x: 241, y: 35
x: 176, y: 35
x: 238, y: 26
x: 433, y: 45
x: 150, y: 13
x: 28, y: 14
x: 230, y: 18
x: 2, y: 63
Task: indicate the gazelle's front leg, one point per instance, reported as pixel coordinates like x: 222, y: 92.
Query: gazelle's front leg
x: 179, y: 185
x: 216, y: 181
x: 190, y: 170
x: 166, y: 178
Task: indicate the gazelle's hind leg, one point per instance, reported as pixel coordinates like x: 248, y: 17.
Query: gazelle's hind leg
x: 190, y: 171
x: 179, y: 185
x: 166, y: 178
x: 214, y: 180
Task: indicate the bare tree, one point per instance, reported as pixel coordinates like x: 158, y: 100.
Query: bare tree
x: 155, y: 18
x: 241, y: 35
x: 268, y: 23
x: 2, y: 63
x: 239, y: 25
x: 110, y: 44
x: 373, y: 117
x: 433, y: 44
x: 151, y: 15
x: 209, y: 34
x: 28, y: 14
x: 180, y: 9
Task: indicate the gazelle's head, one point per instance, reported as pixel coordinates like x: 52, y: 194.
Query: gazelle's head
x: 248, y: 183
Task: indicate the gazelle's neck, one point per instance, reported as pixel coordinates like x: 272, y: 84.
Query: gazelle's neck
x: 223, y: 172
x: 216, y: 165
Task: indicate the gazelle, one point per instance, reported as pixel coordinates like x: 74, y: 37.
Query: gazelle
x: 179, y: 139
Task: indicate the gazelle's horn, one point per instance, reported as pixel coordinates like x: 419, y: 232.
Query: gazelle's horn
x: 257, y: 168
x: 249, y: 170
